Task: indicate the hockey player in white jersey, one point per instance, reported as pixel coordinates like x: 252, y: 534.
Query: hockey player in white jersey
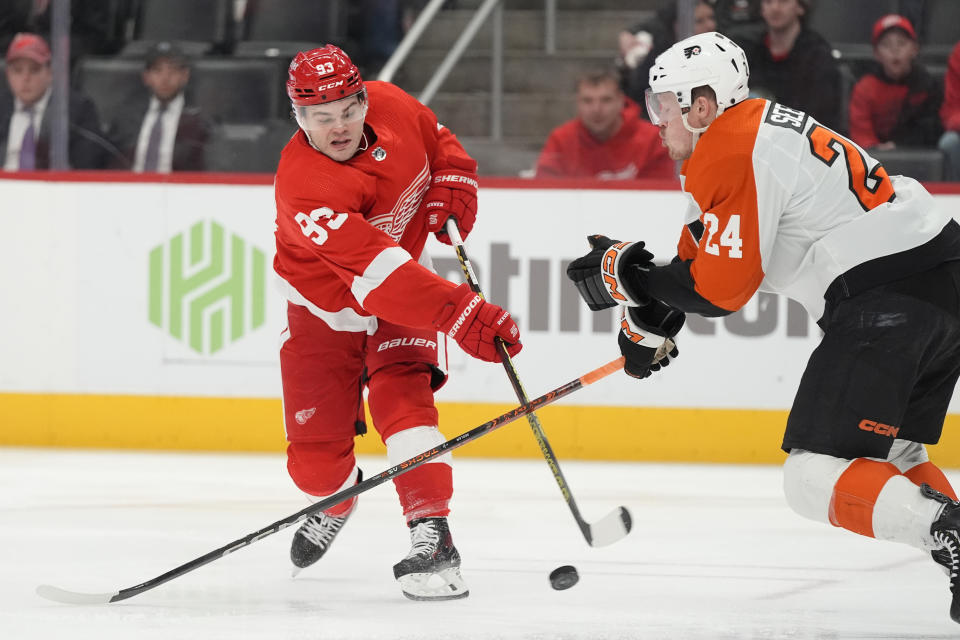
x: 780, y: 203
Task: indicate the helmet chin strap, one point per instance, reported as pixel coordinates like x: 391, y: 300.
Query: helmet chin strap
x: 694, y: 130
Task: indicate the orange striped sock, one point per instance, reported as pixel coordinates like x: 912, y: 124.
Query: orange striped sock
x: 855, y: 494
x: 929, y: 473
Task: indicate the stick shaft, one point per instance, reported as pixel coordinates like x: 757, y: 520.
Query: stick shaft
x: 380, y: 478
x: 454, y: 232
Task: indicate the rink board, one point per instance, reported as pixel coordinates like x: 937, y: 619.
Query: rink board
x: 143, y: 315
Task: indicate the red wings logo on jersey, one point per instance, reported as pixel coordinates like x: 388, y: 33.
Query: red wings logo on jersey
x: 395, y: 222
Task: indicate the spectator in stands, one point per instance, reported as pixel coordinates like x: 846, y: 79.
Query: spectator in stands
x: 950, y: 116
x: 794, y: 65
x: 25, y: 116
x: 607, y: 140
x: 163, y: 134
x: 896, y: 103
x: 642, y: 43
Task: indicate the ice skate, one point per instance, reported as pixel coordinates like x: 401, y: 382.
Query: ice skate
x: 314, y: 538
x: 946, y: 532
x: 431, y: 571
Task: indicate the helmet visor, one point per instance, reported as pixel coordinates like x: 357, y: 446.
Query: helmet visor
x: 662, y: 107
x: 331, y: 114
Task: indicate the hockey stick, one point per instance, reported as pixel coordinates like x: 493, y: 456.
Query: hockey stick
x: 613, y: 526
x: 72, y: 597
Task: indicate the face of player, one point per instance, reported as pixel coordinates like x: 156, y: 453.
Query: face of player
x: 28, y: 79
x: 895, y: 50
x: 665, y: 113
x: 166, y: 79
x: 335, y: 128
x: 781, y: 14
x: 599, y: 106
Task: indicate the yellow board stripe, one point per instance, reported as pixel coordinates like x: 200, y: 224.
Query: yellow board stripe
x: 248, y: 424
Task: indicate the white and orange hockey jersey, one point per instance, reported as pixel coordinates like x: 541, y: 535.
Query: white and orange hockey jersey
x: 349, y: 234
x: 780, y: 203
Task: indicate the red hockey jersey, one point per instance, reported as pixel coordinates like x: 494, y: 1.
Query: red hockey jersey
x: 349, y: 234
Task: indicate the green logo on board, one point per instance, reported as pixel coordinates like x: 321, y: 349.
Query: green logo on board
x: 207, y: 288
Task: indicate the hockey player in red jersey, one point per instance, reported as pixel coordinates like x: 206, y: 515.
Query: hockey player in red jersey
x: 359, y: 187
x: 780, y: 203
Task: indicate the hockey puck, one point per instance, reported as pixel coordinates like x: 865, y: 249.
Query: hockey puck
x: 564, y: 577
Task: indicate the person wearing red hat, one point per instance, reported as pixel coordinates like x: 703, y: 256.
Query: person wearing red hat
x: 368, y: 175
x: 24, y: 116
x: 897, y: 102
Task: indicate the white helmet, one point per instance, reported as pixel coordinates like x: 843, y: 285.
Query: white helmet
x: 710, y: 59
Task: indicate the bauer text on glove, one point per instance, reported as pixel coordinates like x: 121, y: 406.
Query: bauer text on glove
x: 476, y: 325
x: 605, y: 277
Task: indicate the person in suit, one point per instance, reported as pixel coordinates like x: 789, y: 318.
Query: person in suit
x: 25, y: 117
x: 163, y: 133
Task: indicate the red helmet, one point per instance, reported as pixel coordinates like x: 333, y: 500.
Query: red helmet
x: 322, y: 75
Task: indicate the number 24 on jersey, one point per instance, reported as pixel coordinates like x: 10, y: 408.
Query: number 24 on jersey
x: 728, y: 238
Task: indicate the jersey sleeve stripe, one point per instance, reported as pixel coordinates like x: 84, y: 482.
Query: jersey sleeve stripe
x: 379, y: 269
x: 345, y: 319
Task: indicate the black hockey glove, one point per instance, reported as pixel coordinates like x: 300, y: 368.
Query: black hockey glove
x: 646, y: 337
x: 600, y: 275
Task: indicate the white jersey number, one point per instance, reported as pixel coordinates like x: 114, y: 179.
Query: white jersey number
x: 310, y: 227
x: 730, y: 237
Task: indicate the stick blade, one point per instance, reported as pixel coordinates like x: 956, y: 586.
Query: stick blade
x: 611, y: 528
x: 57, y: 594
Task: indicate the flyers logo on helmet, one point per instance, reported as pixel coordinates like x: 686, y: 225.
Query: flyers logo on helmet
x: 691, y: 51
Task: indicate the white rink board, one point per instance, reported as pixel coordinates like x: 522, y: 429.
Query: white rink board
x: 75, y: 259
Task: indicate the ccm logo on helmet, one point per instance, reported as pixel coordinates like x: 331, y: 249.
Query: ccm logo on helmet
x: 879, y: 428
x: 407, y: 342
x: 330, y: 85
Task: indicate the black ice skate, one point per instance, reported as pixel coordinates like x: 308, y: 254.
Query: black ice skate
x: 946, y: 532
x: 315, y: 536
x: 431, y: 571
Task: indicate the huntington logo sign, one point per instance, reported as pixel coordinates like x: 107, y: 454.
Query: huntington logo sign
x: 207, y: 288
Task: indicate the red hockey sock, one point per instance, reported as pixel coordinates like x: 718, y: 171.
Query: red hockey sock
x: 425, y: 492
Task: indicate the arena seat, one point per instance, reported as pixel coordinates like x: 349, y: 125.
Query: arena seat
x: 926, y: 165
x: 249, y: 148
x: 199, y: 26
x: 112, y: 83
x: 237, y: 90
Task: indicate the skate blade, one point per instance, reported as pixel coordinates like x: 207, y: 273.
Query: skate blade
x: 446, y: 584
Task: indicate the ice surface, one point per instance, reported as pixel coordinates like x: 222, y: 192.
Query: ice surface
x: 714, y: 553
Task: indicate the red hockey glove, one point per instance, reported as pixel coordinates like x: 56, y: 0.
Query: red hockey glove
x: 452, y: 193
x: 476, y: 324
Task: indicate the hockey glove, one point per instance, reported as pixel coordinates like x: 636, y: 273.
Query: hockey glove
x: 452, y: 193
x: 599, y: 275
x: 646, y: 337
x: 476, y: 325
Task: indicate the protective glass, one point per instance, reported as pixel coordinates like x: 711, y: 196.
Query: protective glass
x: 662, y: 107
x: 332, y: 114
